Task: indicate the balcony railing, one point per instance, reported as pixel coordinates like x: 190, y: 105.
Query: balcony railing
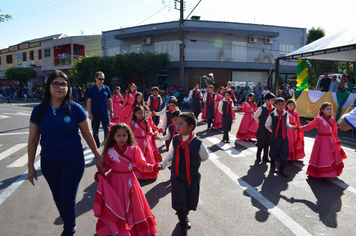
x: 64, y: 60
x: 225, y: 55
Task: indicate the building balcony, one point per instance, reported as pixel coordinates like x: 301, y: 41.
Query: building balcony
x: 65, y: 60
x: 225, y: 55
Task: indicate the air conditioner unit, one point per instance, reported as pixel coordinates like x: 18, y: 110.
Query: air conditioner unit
x: 146, y: 40
x: 252, y: 39
x: 268, y: 41
x: 58, y: 47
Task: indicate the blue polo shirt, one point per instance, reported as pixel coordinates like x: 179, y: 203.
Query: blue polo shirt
x: 99, y: 99
x: 59, y: 136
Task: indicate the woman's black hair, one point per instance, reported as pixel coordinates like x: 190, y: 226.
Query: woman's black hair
x: 47, y: 96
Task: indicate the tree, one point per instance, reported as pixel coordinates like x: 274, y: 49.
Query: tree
x: 20, y: 74
x: 141, y: 65
x: 315, y: 34
x: 5, y: 17
x: 84, y: 69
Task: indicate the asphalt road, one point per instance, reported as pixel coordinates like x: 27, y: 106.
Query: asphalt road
x: 237, y: 196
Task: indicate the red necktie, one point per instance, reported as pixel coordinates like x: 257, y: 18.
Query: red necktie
x: 155, y: 102
x: 211, y: 99
x: 280, y: 119
x: 196, y: 93
x: 186, y: 155
x: 270, y: 109
x: 228, y: 107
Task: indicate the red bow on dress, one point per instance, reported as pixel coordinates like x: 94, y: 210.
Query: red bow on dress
x: 186, y: 155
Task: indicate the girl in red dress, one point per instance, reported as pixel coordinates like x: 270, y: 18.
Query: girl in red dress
x: 295, y: 137
x: 248, y: 126
x: 152, y: 136
x: 120, y: 203
x: 126, y: 111
x: 117, y: 100
x: 140, y: 129
x: 217, y: 123
x: 326, y: 159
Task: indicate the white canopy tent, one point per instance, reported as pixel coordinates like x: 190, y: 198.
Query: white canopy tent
x: 335, y: 47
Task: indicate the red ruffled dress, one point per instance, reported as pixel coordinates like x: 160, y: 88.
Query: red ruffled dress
x: 326, y: 159
x: 127, y: 111
x: 248, y: 126
x: 143, y: 142
x: 120, y: 203
x: 217, y: 123
x: 151, y: 127
x: 117, y: 106
x: 295, y: 138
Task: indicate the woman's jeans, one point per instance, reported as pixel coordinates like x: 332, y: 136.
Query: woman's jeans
x: 63, y: 176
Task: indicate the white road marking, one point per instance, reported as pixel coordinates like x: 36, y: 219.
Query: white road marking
x: 19, y: 133
x: 23, y: 160
x: 9, y: 190
x: 273, y: 209
x: 4, y: 117
x: 12, y: 150
x: 88, y: 156
x: 226, y: 147
x: 18, y: 114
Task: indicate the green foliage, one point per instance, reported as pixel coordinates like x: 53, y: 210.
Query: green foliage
x: 84, y: 69
x: 20, y: 74
x: 5, y: 17
x: 140, y: 65
x: 315, y: 34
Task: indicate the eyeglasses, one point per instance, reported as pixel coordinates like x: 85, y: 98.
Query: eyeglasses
x: 57, y: 85
x: 101, y: 78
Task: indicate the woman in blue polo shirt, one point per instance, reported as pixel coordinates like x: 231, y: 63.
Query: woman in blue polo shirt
x: 55, y: 123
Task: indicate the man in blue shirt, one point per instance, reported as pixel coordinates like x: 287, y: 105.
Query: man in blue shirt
x: 99, y: 106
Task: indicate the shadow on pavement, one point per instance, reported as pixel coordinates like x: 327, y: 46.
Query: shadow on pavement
x: 271, y: 186
x: 328, y: 200
x: 157, y: 192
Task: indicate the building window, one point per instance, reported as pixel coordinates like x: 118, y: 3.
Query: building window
x: 112, y: 51
x: 171, y: 47
x: 31, y: 56
x: 9, y: 59
x: 77, y: 51
x: 136, y: 48
x: 24, y: 58
x: 286, y: 48
x: 39, y: 54
x: 47, y: 52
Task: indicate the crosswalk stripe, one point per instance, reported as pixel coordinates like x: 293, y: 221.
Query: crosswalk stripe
x: 226, y: 147
x: 4, y: 117
x: 9, y: 190
x: 88, y: 156
x: 23, y: 160
x: 12, y: 150
x: 18, y: 133
x: 273, y: 209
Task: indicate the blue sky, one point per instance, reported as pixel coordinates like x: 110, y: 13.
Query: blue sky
x: 39, y: 18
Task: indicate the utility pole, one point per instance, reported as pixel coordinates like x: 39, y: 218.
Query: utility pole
x: 181, y: 44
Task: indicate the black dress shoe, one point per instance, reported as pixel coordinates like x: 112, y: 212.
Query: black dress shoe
x: 283, y: 173
x: 189, y: 225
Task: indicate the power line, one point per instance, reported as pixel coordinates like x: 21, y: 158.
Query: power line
x: 192, y: 10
